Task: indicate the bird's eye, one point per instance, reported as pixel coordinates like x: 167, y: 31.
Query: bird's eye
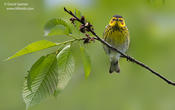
x: 121, y: 20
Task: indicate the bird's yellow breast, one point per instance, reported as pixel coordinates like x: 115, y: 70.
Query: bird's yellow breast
x: 116, y: 37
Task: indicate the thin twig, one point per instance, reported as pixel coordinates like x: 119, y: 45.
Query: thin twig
x: 129, y: 58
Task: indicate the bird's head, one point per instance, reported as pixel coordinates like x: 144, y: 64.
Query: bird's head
x: 117, y: 21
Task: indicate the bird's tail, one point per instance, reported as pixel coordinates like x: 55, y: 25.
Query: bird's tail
x: 114, y: 67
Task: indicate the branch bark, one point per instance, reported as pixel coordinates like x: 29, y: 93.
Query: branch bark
x: 129, y: 58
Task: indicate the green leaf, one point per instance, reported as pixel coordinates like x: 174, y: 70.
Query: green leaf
x: 77, y: 13
x: 42, y: 80
x: 33, y: 47
x: 56, y: 26
x: 86, y: 62
x: 66, y: 67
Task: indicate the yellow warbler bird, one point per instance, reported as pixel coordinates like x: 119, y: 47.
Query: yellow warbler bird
x: 116, y: 34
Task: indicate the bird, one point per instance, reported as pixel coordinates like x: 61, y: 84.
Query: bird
x: 117, y: 35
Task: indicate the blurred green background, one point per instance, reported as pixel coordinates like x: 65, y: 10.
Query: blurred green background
x: 151, y: 24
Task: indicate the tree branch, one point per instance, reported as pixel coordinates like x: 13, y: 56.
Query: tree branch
x: 129, y: 58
